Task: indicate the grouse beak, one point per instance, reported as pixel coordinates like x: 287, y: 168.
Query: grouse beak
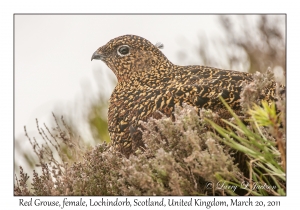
x: 97, y: 56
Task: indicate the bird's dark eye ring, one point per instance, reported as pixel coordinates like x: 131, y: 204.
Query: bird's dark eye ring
x: 123, y: 50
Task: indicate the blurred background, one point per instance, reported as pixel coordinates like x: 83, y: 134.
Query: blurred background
x: 54, y: 72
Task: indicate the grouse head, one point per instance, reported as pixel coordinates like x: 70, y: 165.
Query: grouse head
x: 131, y: 55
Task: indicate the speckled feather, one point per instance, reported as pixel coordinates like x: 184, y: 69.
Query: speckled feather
x: 148, y: 81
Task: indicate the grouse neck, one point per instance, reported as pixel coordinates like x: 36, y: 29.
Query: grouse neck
x: 148, y: 74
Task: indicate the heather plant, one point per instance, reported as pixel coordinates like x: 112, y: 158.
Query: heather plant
x: 60, y: 148
x: 179, y: 158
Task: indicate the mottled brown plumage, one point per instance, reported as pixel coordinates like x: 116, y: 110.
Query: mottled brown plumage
x: 148, y: 81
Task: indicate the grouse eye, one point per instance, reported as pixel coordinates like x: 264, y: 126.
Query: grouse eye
x: 123, y: 50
